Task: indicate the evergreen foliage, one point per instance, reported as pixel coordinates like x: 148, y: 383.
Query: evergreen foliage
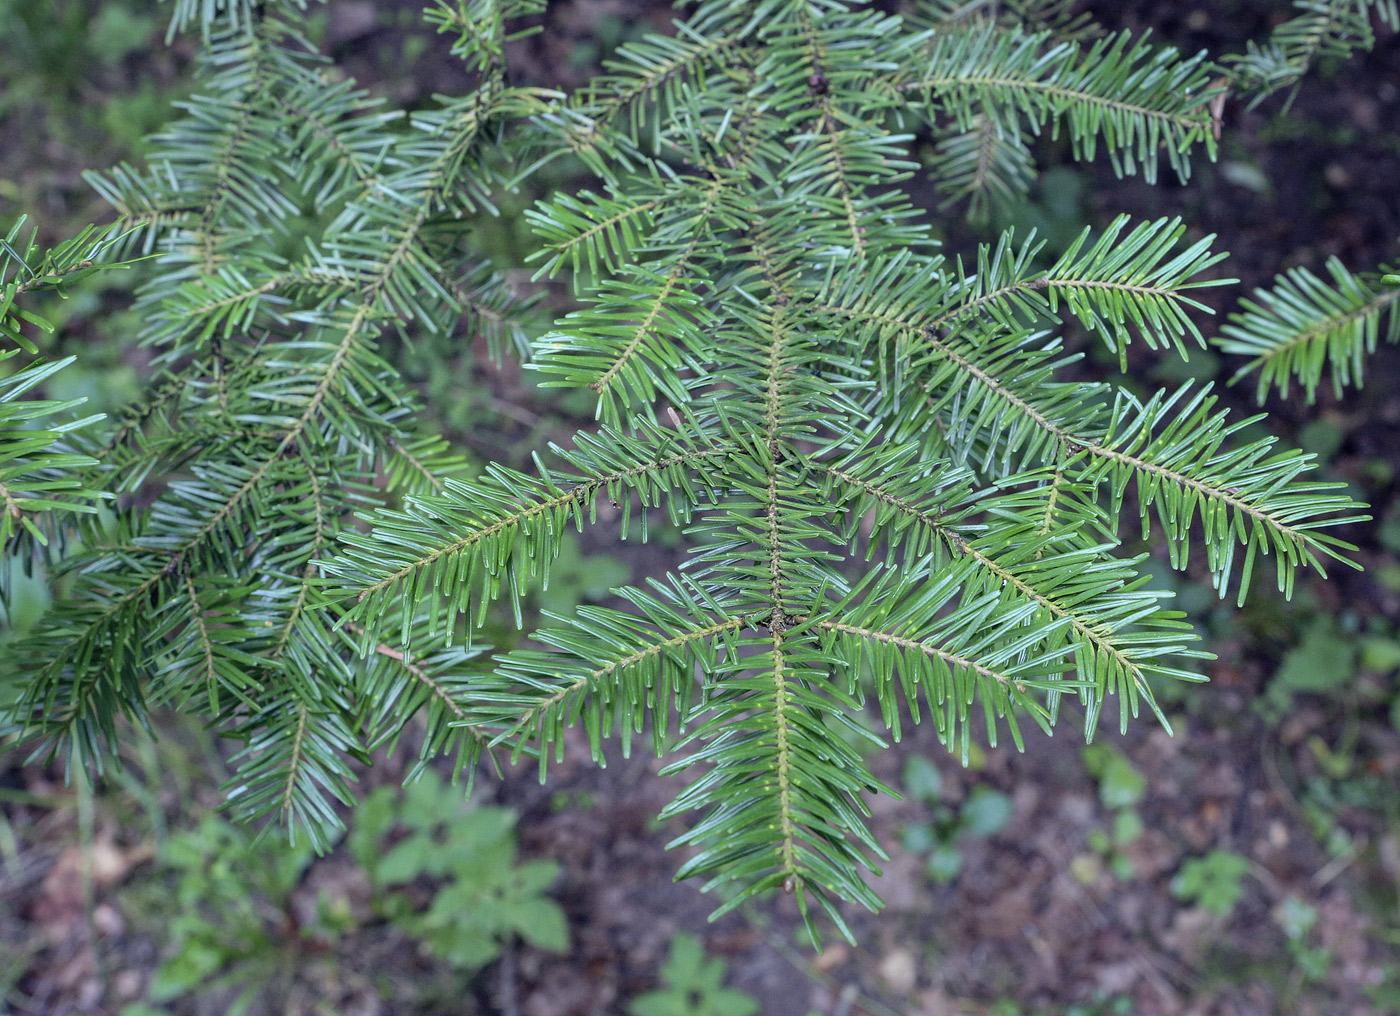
x: 891, y: 489
x: 1305, y: 328
x: 1319, y: 30
x: 38, y: 475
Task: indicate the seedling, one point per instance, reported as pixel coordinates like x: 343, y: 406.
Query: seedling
x: 985, y: 812
x: 481, y: 896
x: 694, y: 986
x: 1121, y: 787
x: 1215, y: 883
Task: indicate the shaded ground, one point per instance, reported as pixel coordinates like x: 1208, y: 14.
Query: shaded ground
x: 1043, y: 916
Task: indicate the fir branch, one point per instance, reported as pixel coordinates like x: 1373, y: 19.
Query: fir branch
x: 1143, y: 101
x: 753, y: 274
x: 1304, y: 327
x: 783, y: 762
x: 650, y: 67
x: 542, y: 715
x: 1036, y: 578
x: 952, y: 659
x: 494, y: 511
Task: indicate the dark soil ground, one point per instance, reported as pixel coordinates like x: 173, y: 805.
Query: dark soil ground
x: 1038, y: 920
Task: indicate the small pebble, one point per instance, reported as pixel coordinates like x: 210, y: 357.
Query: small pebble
x: 128, y: 984
x: 899, y: 970
x: 108, y: 920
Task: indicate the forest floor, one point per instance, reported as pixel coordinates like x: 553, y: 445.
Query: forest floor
x: 1048, y: 882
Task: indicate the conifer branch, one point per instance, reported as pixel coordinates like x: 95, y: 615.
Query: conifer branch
x: 952, y: 659
x: 649, y: 70
x: 787, y: 852
x: 896, y: 500
x: 1305, y: 327
x: 534, y: 720
x: 1112, y: 660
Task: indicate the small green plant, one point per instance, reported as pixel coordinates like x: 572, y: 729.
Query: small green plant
x: 1121, y: 786
x: 1323, y: 661
x: 1108, y: 848
x: 1386, y: 994
x: 1297, y: 918
x: 57, y: 45
x: 1102, y: 1004
x: 1380, y: 657
x: 580, y: 577
x: 1214, y: 883
x: 694, y: 986
x: 481, y: 896
x: 231, y: 925
x: 985, y: 812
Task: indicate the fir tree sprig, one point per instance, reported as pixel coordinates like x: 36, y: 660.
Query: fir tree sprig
x: 772, y: 298
x: 1305, y: 328
x: 42, y: 475
x: 898, y: 498
x: 1319, y: 30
